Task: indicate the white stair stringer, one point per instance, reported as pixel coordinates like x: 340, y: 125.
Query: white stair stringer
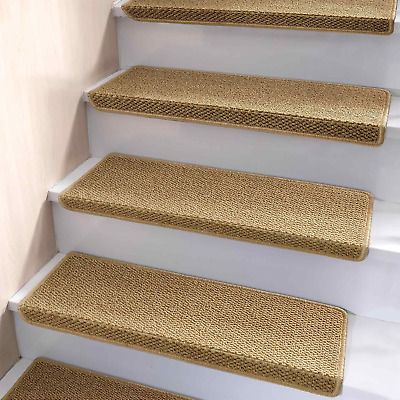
x: 12, y: 376
x: 360, y: 59
x: 372, y: 361
x: 371, y: 168
x: 369, y: 288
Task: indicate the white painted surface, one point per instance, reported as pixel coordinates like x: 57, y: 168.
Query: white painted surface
x: 372, y: 363
x: 375, y: 169
x: 8, y: 381
x: 370, y: 60
x: 117, y: 8
x: 71, y: 178
x: 34, y: 282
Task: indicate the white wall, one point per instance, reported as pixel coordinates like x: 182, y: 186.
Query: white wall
x: 50, y: 50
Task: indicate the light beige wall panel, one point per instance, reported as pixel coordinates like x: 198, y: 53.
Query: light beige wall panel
x: 50, y: 50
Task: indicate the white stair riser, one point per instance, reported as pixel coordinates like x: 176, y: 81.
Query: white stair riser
x: 375, y: 169
x: 370, y: 288
x: 197, y: 381
x: 370, y: 60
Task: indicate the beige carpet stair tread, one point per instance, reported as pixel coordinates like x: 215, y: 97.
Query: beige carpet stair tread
x: 299, y: 215
x: 246, y: 331
x: 50, y: 380
x: 368, y: 16
x: 329, y: 111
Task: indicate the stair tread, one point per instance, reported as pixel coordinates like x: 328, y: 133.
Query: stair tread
x: 50, y: 380
x: 264, y: 335
x: 299, y: 215
x: 372, y: 16
x: 330, y: 111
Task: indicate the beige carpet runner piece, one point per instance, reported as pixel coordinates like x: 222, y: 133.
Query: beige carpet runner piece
x: 330, y: 111
x: 305, y: 216
x: 281, y: 339
x: 368, y: 16
x: 49, y: 380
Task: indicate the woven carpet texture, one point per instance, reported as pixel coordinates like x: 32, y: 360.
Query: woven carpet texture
x: 363, y: 16
x: 329, y: 111
x: 281, y: 339
x: 49, y: 380
x: 299, y: 215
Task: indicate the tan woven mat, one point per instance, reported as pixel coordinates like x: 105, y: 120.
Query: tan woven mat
x: 246, y: 331
x: 366, y: 16
x: 50, y: 380
x: 304, y: 216
x: 328, y: 111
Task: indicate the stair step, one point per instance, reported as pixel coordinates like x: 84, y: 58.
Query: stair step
x: 369, y: 168
x: 46, y: 379
x: 369, y: 372
x: 304, y: 216
x: 364, y: 60
x: 282, y: 339
x: 270, y: 268
x: 330, y: 111
x: 372, y: 16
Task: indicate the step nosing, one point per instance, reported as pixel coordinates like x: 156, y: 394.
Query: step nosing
x: 295, y: 116
x: 319, y: 110
x: 377, y: 19
x: 242, y: 330
x: 209, y: 221
x: 25, y: 310
x: 298, y: 215
x: 47, y: 379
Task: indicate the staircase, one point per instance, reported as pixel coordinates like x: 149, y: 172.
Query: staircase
x: 235, y: 233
